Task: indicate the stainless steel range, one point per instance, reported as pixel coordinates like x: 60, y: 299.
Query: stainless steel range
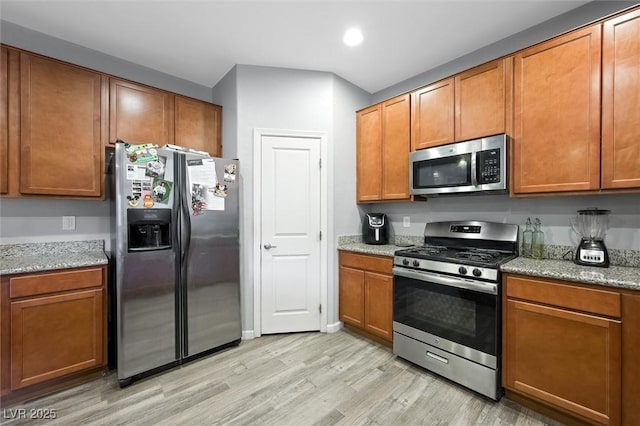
x: 446, y: 301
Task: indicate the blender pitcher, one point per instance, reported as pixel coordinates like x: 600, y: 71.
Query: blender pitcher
x: 591, y: 225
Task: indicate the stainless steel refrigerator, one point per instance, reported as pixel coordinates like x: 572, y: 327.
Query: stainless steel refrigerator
x: 175, y: 256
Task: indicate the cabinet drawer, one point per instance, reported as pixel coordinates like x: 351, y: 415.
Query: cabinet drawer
x: 381, y: 264
x: 33, y: 285
x: 596, y: 301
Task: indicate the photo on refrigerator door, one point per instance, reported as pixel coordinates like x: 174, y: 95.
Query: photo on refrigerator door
x: 161, y: 190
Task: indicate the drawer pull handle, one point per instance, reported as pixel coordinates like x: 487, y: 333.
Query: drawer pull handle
x: 437, y: 357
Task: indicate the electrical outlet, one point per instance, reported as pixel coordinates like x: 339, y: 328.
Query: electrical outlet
x: 68, y: 223
x: 406, y: 221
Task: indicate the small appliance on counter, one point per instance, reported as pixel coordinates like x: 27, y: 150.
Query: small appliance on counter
x: 592, y: 225
x: 375, y: 229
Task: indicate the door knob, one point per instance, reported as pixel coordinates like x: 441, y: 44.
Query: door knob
x: 269, y: 246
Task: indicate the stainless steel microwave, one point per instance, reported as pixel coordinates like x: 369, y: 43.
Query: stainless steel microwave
x: 472, y: 166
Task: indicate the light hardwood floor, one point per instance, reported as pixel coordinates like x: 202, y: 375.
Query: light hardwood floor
x: 287, y: 379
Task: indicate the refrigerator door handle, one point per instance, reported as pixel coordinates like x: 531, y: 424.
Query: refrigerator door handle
x: 186, y: 218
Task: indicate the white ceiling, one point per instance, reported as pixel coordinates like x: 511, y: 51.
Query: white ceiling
x: 201, y: 41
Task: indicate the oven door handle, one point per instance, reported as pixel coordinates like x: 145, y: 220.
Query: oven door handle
x: 488, y: 288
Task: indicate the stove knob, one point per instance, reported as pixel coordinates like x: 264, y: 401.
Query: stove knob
x: 405, y: 262
x: 477, y: 272
x: 416, y: 263
x: 462, y: 270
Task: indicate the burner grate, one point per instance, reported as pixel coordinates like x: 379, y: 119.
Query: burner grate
x: 432, y: 249
x: 476, y: 256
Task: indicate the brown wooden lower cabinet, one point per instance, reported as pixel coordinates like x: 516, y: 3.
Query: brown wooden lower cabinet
x: 53, y: 326
x: 366, y: 295
x: 562, y: 347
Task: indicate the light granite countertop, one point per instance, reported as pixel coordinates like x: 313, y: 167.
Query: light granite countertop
x: 555, y: 267
x: 614, y: 276
x: 354, y: 243
x: 38, y: 257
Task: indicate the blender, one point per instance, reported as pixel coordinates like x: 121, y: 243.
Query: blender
x: 592, y: 225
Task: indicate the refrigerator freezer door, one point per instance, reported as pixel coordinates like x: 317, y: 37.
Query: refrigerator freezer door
x: 211, y: 271
x: 145, y: 273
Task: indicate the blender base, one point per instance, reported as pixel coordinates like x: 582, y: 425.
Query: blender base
x: 592, y: 253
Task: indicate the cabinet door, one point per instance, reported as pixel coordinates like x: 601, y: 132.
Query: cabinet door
x: 378, y: 306
x: 396, y: 135
x: 60, y: 128
x: 621, y: 102
x: 351, y: 296
x: 56, y: 335
x: 565, y: 358
x: 481, y: 101
x: 198, y: 125
x: 4, y: 120
x: 630, y: 364
x: 369, y: 154
x: 432, y: 115
x: 139, y: 114
x: 557, y: 114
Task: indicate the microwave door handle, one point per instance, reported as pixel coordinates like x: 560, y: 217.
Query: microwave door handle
x: 474, y: 169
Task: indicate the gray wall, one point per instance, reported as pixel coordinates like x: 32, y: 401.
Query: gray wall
x: 33, y: 220
x: 345, y: 217
x: 554, y: 212
x: 37, y: 42
x: 287, y: 99
x: 590, y: 12
x: 226, y: 93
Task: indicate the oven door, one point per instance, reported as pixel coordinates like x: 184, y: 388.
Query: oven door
x: 458, y: 315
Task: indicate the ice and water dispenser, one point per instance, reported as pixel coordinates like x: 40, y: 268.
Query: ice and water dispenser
x: 149, y: 229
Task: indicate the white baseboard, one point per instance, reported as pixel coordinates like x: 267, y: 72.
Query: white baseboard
x: 332, y: 328
x: 247, y: 334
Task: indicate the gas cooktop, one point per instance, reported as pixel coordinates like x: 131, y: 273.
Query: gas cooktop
x: 487, y: 258
x: 470, y: 249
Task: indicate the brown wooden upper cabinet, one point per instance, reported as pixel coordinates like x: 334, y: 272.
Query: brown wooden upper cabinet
x: 61, y: 128
x: 432, y: 115
x: 382, y: 145
x: 557, y: 114
x: 139, y: 114
x: 469, y: 105
x: 482, y: 100
x: 4, y: 121
x: 198, y: 125
x: 55, y: 119
x: 621, y: 102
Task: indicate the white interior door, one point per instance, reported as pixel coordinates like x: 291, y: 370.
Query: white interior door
x: 290, y: 234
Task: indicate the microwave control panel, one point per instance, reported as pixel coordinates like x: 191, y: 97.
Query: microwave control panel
x: 488, y: 166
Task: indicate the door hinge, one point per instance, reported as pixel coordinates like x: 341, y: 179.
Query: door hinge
x: 320, y: 235
x: 320, y: 308
x: 320, y: 163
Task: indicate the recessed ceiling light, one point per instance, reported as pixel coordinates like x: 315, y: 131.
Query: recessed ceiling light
x: 352, y: 37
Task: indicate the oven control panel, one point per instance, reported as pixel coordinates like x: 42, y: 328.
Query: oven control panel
x: 465, y: 229
x: 468, y: 271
